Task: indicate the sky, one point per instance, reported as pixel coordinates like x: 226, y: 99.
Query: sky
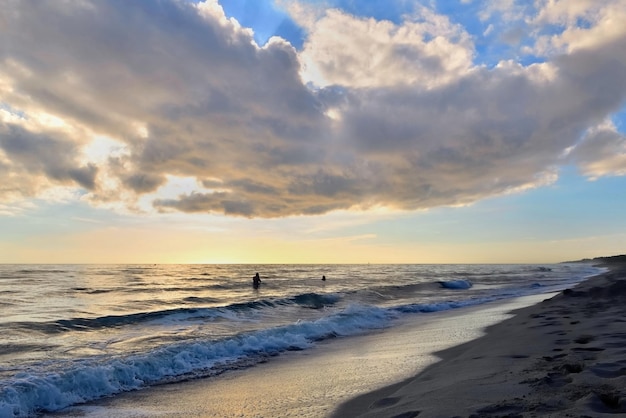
x: 312, y: 131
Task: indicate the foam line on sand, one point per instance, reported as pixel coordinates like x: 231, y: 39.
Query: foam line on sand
x: 565, y: 356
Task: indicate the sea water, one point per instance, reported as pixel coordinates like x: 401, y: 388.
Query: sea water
x: 75, y: 333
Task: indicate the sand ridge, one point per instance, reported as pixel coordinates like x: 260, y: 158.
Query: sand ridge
x: 564, y: 357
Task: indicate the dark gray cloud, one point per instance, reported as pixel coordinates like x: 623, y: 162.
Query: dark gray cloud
x: 189, y: 94
x: 33, y: 155
x: 143, y: 183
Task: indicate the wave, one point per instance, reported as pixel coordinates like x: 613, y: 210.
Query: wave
x: 7, y: 349
x: 306, y: 300
x: 200, y: 300
x: 113, y: 321
x: 39, y: 389
x: 315, y: 300
x: 110, y: 321
x: 391, y: 292
x: 455, y: 284
x: 447, y: 305
x: 136, y: 270
x: 40, y: 271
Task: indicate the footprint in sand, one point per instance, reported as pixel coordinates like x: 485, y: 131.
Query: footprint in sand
x: 607, y: 402
x: 584, y: 339
x: 609, y: 370
x: 579, y: 349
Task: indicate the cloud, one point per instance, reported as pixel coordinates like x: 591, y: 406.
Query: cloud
x: 357, y: 52
x: 567, y: 26
x: 508, y: 10
x: 30, y: 156
x: 402, y: 119
x: 601, y: 152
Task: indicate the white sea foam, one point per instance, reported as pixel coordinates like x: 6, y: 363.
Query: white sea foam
x: 81, y: 381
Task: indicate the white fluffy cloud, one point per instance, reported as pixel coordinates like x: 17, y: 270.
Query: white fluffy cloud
x: 357, y: 52
x: 404, y: 120
x: 581, y: 24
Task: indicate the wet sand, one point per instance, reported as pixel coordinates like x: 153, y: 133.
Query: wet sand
x: 563, y: 357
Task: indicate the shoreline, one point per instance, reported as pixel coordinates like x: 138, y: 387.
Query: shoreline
x: 564, y: 356
x: 310, y: 383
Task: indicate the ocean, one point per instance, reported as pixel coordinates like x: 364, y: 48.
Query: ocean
x: 72, y: 334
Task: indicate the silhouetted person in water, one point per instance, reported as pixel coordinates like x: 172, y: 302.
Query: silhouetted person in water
x: 324, y: 278
x: 256, y: 281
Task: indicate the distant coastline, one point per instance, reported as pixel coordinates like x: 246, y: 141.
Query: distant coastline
x: 608, y: 260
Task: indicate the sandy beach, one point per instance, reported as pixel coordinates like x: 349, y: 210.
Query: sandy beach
x: 563, y: 357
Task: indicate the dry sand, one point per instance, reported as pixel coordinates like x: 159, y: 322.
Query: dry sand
x: 563, y: 357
